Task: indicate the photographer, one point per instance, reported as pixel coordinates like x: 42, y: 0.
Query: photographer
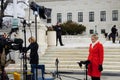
x: 3, y: 75
x: 95, y: 58
x: 34, y: 58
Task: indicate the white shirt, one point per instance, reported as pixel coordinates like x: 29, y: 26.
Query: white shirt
x: 93, y: 44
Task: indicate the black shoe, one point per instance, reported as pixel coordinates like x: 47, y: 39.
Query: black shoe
x: 62, y: 44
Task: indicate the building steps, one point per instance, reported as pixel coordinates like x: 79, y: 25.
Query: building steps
x: 68, y: 58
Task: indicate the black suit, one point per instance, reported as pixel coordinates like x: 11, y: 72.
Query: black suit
x: 113, y: 30
x: 34, y: 58
x: 58, y: 34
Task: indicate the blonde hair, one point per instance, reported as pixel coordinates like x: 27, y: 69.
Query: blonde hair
x: 95, y: 36
x: 32, y: 39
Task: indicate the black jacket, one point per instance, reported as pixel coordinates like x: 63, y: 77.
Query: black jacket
x: 114, y: 30
x: 58, y: 30
x: 34, y: 58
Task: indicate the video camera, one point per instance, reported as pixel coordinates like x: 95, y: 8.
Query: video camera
x: 84, y: 62
x: 10, y: 44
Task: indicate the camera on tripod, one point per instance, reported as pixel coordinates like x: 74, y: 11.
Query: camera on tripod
x: 10, y: 44
x: 84, y: 62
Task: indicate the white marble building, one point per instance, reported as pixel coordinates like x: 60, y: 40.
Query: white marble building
x: 96, y: 15
x: 106, y: 10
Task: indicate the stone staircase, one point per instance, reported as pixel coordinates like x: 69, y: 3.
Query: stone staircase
x: 68, y: 58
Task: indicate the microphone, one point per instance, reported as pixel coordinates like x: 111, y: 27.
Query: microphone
x: 80, y: 64
x: 57, y: 61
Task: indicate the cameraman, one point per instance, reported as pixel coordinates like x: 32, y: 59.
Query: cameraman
x: 3, y: 75
x: 34, y: 58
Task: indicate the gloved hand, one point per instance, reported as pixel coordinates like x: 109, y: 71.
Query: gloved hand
x: 86, y: 62
x: 100, y: 68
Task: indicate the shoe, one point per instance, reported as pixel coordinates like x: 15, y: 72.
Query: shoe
x: 62, y: 45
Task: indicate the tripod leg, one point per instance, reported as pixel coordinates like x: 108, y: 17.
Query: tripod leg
x: 60, y: 77
x: 57, y: 76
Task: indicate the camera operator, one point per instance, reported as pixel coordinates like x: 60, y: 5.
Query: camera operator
x: 95, y: 58
x: 3, y: 75
x: 34, y: 58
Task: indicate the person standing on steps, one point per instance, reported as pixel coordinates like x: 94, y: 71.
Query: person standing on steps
x: 95, y: 59
x: 58, y: 30
x: 114, y: 32
x: 34, y: 57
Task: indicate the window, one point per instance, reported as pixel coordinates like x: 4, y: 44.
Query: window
x: 80, y: 16
x: 91, y: 31
x: 49, y: 20
x: 91, y: 16
x: 48, y: 16
x: 103, y: 16
x: 69, y: 16
x: 59, y: 17
x: 115, y: 15
x: 102, y: 31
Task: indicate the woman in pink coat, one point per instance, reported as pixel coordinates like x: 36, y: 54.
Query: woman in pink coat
x: 95, y: 57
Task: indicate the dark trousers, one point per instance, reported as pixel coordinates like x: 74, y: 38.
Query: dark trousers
x: 113, y: 38
x: 95, y: 78
x: 32, y: 71
x: 3, y: 75
x: 60, y: 40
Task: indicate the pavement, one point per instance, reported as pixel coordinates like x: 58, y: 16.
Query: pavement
x: 77, y: 77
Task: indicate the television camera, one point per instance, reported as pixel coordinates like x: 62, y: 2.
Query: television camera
x: 11, y: 44
x: 84, y: 62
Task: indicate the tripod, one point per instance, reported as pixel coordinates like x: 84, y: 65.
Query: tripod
x: 86, y: 68
x: 24, y: 54
x: 57, y: 75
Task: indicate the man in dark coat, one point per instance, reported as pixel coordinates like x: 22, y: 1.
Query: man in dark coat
x: 3, y: 63
x: 114, y: 31
x: 58, y: 34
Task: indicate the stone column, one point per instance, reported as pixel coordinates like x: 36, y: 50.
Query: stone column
x: 51, y: 38
x: 42, y: 38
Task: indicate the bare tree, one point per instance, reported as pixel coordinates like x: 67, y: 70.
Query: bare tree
x: 4, y: 5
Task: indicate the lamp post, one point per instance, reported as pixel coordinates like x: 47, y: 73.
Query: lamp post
x: 36, y: 14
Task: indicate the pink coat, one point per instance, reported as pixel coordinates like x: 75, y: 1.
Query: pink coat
x: 96, y: 56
